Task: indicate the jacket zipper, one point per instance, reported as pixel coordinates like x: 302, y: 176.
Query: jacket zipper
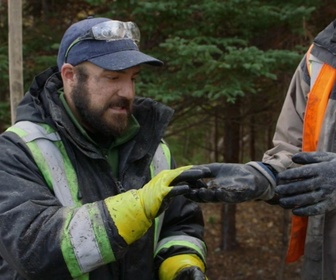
x: 120, y: 187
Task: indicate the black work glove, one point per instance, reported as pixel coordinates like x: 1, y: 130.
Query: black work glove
x: 190, y: 176
x: 234, y: 183
x: 309, y: 189
x: 190, y: 273
x: 193, y: 178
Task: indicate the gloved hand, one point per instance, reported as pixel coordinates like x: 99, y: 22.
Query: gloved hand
x: 191, y: 273
x: 309, y: 189
x: 134, y: 210
x: 236, y: 183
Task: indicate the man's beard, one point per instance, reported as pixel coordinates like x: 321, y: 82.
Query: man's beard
x: 93, y: 118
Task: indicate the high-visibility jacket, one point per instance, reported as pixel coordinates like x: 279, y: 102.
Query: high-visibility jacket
x: 307, y: 122
x: 49, y: 154
x: 54, y: 224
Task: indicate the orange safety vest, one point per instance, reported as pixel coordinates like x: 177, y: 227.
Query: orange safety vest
x: 315, y: 109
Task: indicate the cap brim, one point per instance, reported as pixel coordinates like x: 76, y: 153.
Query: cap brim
x: 124, y: 59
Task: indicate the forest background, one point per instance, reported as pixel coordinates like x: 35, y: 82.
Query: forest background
x: 227, y: 67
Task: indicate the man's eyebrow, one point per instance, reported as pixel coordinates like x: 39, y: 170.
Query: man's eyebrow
x: 120, y: 71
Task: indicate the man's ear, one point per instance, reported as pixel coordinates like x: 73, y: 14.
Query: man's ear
x: 68, y: 74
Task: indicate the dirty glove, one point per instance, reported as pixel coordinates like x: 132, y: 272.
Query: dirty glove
x: 309, y: 189
x: 236, y: 183
x: 182, y: 267
x: 190, y: 273
x: 134, y: 211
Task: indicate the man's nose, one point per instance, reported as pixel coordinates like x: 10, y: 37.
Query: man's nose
x: 127, y: 90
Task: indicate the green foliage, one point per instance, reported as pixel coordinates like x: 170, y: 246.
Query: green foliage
x: 210, y: 57
x: 95, y: 2
x: 217, y: 52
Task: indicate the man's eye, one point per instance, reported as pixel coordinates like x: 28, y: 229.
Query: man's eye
x: 112, y: 77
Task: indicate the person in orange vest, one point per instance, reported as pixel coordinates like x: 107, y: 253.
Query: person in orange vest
x: 299, y: 172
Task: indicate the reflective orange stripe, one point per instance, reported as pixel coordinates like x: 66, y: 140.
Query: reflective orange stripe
x: 314, y: 115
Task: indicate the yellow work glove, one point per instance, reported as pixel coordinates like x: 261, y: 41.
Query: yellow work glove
x: 182, y: 267
x: 134, y: 211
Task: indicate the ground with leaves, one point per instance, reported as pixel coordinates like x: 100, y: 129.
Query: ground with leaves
x: 262, y: 232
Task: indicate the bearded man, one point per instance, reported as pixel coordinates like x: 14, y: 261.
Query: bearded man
x: 88, y: 187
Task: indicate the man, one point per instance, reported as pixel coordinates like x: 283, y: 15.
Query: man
x: 306, y: 123
x: 77, y: 198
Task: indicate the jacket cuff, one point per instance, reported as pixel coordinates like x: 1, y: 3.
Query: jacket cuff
x: 265, y: 172
x: 171, y: 266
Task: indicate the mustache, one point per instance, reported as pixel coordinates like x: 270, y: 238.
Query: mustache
x: 122, y: 102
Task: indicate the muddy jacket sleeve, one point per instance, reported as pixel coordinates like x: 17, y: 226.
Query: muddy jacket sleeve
x: 181, y: 242
x: 31, y: 217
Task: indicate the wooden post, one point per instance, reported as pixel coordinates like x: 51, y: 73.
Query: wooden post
x: 15, y: 54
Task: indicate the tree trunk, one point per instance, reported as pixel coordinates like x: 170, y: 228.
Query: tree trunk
x: 228, y: 218
x: 231, y: 155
